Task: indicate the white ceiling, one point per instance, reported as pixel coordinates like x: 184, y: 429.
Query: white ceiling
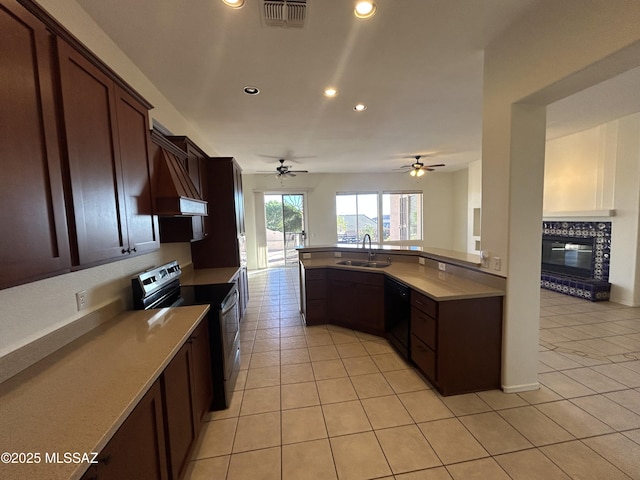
x: 416, y: 64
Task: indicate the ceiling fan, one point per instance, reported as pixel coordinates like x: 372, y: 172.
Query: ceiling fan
x: 417, y: 168
x: 283, y: 170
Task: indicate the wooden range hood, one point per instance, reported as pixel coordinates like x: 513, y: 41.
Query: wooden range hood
x: 175, y: 192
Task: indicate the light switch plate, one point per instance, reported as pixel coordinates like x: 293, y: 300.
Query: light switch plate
x: 306, y: 256
x: 337, y: 254
x: 421, y: 260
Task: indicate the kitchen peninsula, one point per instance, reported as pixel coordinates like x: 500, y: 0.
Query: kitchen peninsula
x: 454, y: 334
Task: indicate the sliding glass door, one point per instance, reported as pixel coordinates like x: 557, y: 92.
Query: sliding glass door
x: 285, y: 220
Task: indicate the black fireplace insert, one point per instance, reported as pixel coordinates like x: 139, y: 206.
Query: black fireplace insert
x: 568, y: 256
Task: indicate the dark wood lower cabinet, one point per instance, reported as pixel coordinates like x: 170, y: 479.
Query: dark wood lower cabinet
x: 155, y: 441
x: 457, y: 344
x: 241, y: 279
x: 356, y: 300
x: 313, y: 291
x: 137, y: 450
x: 201, y: 374
x: 178, y: 407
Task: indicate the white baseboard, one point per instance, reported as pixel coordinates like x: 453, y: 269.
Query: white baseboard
x: 520, y: 388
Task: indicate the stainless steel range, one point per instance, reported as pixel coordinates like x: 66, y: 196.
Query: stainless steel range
x: 160, y: 287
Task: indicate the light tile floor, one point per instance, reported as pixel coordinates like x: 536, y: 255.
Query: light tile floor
x: 329, y: 403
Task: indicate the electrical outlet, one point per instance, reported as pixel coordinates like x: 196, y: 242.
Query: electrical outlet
x: 442, y: 267
x: 306, y: 256
x: 337, y: 254
x: 81, y: 300
x: 421, y: 260
x: 497, y: 263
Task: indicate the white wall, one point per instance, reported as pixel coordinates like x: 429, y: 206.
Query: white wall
x: 553, y: 51
x: 30, y: 311
x: 321, y: 189
x: 571, y: 172
x: 625, y: 226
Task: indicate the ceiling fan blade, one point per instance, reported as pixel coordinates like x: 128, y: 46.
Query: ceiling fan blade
x: 297, y: 171
x: 436, y: 165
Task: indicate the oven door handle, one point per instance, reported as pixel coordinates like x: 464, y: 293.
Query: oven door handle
x: 230, y: 305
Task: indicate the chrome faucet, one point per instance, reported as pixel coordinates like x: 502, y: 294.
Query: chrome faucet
x: 364, y: 239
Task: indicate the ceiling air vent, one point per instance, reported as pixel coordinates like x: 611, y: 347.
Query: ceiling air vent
x: 285, y: 13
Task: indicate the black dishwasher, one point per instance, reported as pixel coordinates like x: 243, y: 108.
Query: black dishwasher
x: 397, y: 315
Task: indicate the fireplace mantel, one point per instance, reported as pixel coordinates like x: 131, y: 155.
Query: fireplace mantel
x: 578, y: 214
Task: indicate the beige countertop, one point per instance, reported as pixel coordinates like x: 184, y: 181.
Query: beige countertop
x: 75, y: 399
x: 461, y: 258
x: 440, y: 286
x: 203, y: 276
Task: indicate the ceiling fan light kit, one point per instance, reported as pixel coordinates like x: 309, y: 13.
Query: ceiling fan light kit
x: 284, y: 170
x: 417, y: 168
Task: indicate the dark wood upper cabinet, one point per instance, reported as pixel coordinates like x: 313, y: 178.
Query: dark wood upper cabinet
x: 34, y: 242
x: 222, y: 188
x: 133, y: 133
x: 224, y: 245
x: 106, y: 134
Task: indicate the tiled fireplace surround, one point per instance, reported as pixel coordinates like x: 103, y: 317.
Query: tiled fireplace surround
x: 596, y: 288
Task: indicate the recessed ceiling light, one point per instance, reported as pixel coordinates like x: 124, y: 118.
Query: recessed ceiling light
x: 234, y: 3
x: 364, y: 9
x: 360, y: 107
x: 249, y: 90
x: 330, y: 92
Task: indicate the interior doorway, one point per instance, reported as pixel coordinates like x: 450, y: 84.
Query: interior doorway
x: 285, y: 224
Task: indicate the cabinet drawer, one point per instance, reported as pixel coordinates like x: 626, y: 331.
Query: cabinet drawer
x: 424, y: 327
x: 315, y: 274
x: 423, y: 357
x: 424, y: 303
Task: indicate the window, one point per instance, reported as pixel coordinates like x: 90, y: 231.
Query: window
x: 356, y: 215
x: 359, y: 213
x: 402, y: 216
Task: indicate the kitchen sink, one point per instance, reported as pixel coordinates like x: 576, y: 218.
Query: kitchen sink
x: 376, y: 264
x: 363, y: 263
x: 353, y: 263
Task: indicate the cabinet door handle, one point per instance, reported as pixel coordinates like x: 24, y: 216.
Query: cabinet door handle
x: 134, y: 249
x: 125, y: 251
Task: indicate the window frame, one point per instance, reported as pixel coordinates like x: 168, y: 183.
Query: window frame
x: 380, y: 213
